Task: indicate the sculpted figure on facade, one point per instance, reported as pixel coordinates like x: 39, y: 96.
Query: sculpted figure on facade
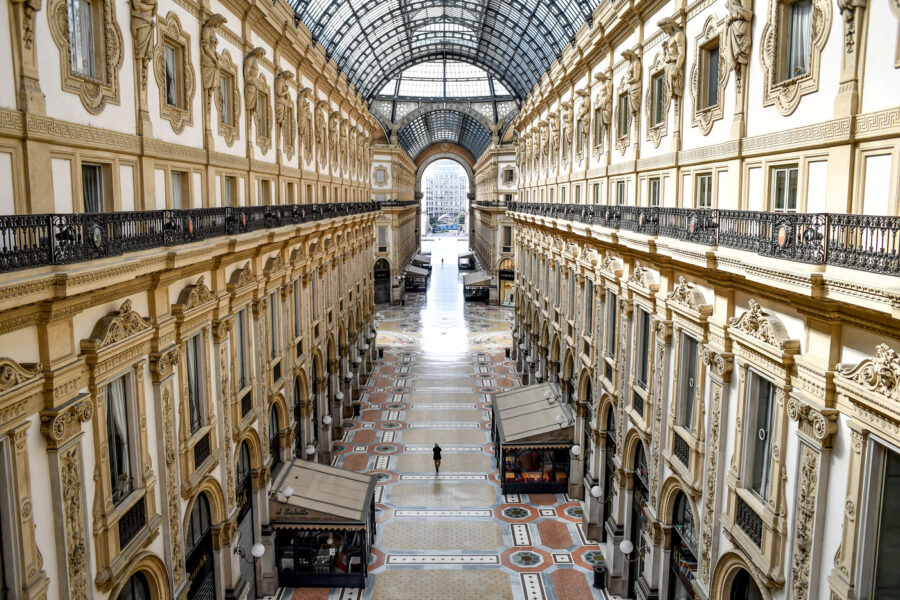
x: 583, y: 118
x: 553, y: 124
x: 209, y: 58
x: 143, y: 24
x: 674, y: 59
x: 545, y: 145
x: 603, y: 103
x: 251, y: 84
x: 333, y: 138
x: 633, y: 83
x: 284, y: 111
x: 322, y: 132
x: 305, y: 124
x: 353, y: 152
x: 736, y: 50
x: 565, y: 122
x: 345, y: 141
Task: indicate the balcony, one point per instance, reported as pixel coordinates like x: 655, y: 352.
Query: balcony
x: 861, y: 242
x: 28, y: 241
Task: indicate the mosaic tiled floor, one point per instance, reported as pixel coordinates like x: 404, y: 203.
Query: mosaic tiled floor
x: 452, y: 536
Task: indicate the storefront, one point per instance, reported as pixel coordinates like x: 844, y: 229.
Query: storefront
x: 507, y: 276
x: 532, y: 432
x: 477, y: 286
x: 324, y: 522
x: 466, y: 261
x: 416, y: 279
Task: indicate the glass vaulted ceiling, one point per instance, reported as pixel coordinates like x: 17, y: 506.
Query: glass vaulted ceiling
x: 373, y: 41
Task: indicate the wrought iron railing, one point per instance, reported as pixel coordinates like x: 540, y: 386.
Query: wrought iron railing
x: 28, y: 241
x: 750, y: 522
x: 394, y: 203
x: 681, y: 450
x: 862, y: 242
x: 202, y: 450
x: 131, y: 523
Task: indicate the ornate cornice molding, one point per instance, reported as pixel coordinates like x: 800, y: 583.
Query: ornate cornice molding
x: 759, y: 324
x: 819, y: 424
x: 879, y: 375
x: 63, y: 423
x: 14, y: 374
x: 115, y: 327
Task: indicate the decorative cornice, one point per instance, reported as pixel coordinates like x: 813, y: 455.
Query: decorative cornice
x: 13, y: 374
x: 880, y: 375
x: 721, y: 363
x: 195, y: 295
x: 686, y: 294
x: 819, y: 424
x: 61, y: 424
x: 759, y: 324
x: 116, y: 326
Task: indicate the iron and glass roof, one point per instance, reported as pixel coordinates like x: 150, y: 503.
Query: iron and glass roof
x: 444, y: 125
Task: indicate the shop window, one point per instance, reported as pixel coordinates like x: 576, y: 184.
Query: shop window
x: 683, y: 557
x: 759, y: 418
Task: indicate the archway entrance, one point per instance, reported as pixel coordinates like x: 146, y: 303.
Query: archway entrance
x: 199, y: 563
x: 244, y: 495
x: 434, y: 155
x: 382, y: 282
x: 507, y: 276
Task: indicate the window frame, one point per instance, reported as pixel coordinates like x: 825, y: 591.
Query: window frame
x: 774, y: 170
x: 133, y: 452
x: 243, y: 371
x: 703, y: 190
x: 686, y: 413
x: 196, y: 422
x: 653, y: 200
x: 170, y: 33
x: 658, y: 99
x: 750, y: 417
x: 105, y: 182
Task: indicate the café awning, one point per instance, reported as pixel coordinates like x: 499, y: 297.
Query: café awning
x: 416, y: 271
x: 321, y: 496
x: 468, y: 255
x: 477, y: 280
x: 534, y: 414
x: 422, y: 258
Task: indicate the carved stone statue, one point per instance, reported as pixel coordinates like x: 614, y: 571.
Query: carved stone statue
x: 322, y: 132
x: 353, y: 152
x: 251, y: 84
x: 604, y: 99
x: 565, y: 122
x: 554, y: 138
x: 345, y: 141
x: 143, y: 24
x: 674, y: 58
x: 633, y: 83
x: 284, y: 111
x: 304, y: 121
x: 736, y: 50
x: 209, y: 58
x: 545, y: 144
x: 584, y: 122
x: 333, y: 138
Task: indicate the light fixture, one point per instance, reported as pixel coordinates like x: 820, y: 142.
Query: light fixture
x: 559, y: 420
x: 257, y: 550
x: 288, y: 491
x: 348, y: 374
x: 326, y: 420
x: 330, y: 540
x: 310, y: 450
x: 365, y: 346
x: 339, y: 396
x: 626, y: 547
x: 596, y: 491
x: 576, y: 450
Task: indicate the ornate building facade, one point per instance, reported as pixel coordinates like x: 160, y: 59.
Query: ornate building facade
x: 186, y: 299
x: 697, y: 266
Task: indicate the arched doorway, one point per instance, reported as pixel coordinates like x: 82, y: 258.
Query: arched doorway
x: 507, y: 275
x: 639, y: 498
x: 136, y: 588
x: 382, y: 276
x: 683, y: 553
x: 298, y: 419
x: 744, y: 587
x: 200, y: 564
x: 587, y: 435
x: 274, y: 441
x: 609, y: 471
x: 244, y: 495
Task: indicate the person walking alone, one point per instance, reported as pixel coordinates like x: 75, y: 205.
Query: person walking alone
x: 436, y: 451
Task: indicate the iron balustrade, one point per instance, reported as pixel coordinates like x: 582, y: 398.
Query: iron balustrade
x: 681, y: 450
x: 131, y: 523
x: 202, y: 450
x: 749, y: 521
x: 861, y: 242
x: 28, y: 241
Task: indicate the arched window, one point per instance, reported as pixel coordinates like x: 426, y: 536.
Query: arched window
x: 683, y: 557
x: 136, y: 588
x: 744, y: 587
x: 298, y: 419
x: 274, y: 444
x: 243, y: 464
x: 199, y: 525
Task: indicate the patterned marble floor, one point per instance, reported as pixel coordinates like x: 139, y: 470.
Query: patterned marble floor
x: 452, y: 536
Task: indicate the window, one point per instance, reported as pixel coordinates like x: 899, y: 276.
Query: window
x: 274, y: 442
x: 577, y: 194
x: 508, y: 176
x: 588, y: 307
x: 758, y: 451
x: 551, y: 194
x: 571, y: 305
x: 172, y: 59
x: 315, y: 295
x: 598, y: 126
x: 653, y: 191
x: 596, y: 193
x: 687, y: 382
x: 382, y: 238
x: 290, y: 193
x: 562, y: 195
x: 229, y: 191
x: 799, y: 38
x: 136, y: 588
x: 709, y: 94
x: 558, y: 295
x: 621, y: 193
x: 117, y: 433
x: 265, y: 192
x: 507, y: 239
x: 180, y: 196
x: 885, y: 539
x: 240, y: 341
x: 704, y: 191
x: 380, y: 175
x: 194, y: 365
x: 297, y: 308
x: 658, y: 98
x: 274, y: 316
x: 92, y: 187
x: 784, y: 189
x: 262, y: 115
x: 226, y: 87
x: 622, y: 116
x: 81, y: 37
x: 642, y: 348
x: 611, y: 324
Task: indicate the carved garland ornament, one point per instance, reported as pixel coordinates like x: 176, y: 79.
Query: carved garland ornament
x: 880, y: 375
x: 804, y: 530
x: 785, y: 94
x: 76, y: 544
x: 686, y: 294
x: 703, y: 117
x: 169, y: 30
x: 94, y: 92
x: 172, y: 484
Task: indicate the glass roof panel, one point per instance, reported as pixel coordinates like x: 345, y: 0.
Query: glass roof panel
x: 427, y: 79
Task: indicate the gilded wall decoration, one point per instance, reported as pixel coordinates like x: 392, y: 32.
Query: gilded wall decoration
x: 13, y: 374
x: 782, y: 89
x: 736, y: 40
x: 804, y: 522
x: 209, y: 62
x: 103, y: 87
x: 284, y: 112
x: 181, y: 113
x: 143, y: 26
x: 703, y: 116
x: 305, y: 124
x: 228, y: 126
x: 76, y: 542
x: 174, y: 506
x: 880, y: 374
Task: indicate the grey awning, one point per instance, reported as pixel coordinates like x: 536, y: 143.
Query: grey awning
x: 321, y: 494
x: 526, y: 414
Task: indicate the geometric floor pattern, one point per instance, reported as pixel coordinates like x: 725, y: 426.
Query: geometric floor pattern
x: 453, y: 535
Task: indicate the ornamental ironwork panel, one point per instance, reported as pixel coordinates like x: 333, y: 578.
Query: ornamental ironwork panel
x: 246, y: 403
x: 749, y: 522
x: 131, y: 523
x: 864, y: 242
x: 681, y: 450
x: 695, y: 225
x: 201, y: 450
x: 637, y: 401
